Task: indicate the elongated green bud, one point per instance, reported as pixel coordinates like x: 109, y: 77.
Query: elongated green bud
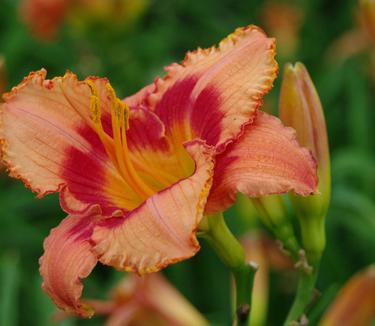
x: 300, y: 108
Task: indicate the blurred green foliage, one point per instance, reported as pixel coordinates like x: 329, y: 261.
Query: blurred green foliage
x: 130, y: 57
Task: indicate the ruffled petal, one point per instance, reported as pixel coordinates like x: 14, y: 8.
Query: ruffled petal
x: 67, y: 258
x: 49, y: 141
x: 215, y: 91
x: 162, y: 230
x: 266, y: 160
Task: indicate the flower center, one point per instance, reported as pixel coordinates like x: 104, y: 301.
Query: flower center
x: 117, y: 146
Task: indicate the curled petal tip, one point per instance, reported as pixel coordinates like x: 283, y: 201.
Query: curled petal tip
x: 67, y: 259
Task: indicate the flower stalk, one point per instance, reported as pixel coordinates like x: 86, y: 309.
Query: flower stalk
x: 301, y: 109
x: 303, y: 296
x: 215, y: 231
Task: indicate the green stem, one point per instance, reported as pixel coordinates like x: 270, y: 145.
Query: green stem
x: 303, y: 296
x: 313, y: 240
x: 215, y: 231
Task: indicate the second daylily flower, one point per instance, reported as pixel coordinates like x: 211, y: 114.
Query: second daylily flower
x: 137, y: 176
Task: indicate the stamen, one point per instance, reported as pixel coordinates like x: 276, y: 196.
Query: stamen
x: 95, y: 111
x: 117, y: 147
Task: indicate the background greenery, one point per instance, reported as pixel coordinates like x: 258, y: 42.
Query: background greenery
x: 131, y: 55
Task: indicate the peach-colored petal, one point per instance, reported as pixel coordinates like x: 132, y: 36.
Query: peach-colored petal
x: 49, y: 141
x: 67, y: 258
x: 215, y: 91
x: 161, y: 230
x: 265, y: 160
x: 39, y: 121
x: 355, y: 303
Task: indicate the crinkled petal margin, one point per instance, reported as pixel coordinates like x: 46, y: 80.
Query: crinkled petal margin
x: 214, y: 93
x: 162, y: 230
x: 266, y: 160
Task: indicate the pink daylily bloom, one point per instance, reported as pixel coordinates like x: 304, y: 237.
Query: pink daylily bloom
x: 137, y: 176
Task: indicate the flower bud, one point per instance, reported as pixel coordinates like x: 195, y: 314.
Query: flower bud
x: 300, y: 108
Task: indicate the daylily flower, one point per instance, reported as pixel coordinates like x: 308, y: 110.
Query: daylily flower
x: 137, y: 176
x: 136, y: 301
x: 44, y: 17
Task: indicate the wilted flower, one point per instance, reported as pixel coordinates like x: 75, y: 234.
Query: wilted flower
x: 136, y: 176
x: 355, y: 303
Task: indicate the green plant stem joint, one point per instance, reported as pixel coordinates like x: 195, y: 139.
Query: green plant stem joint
x: 214, y: 230
x: 313, y: 241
